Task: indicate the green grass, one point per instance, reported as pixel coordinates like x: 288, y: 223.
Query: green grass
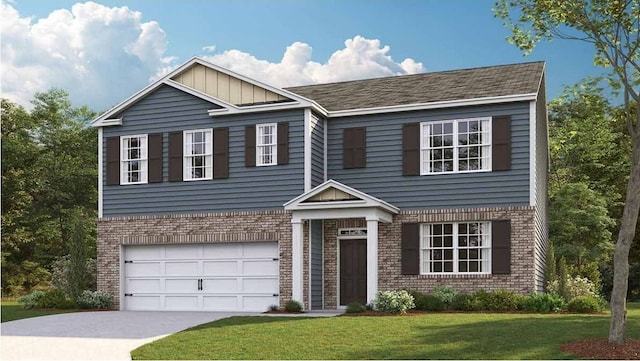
x: 11, y: 311
x: 429, y: 336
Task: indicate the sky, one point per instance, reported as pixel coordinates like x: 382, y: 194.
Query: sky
x: 102, y: 52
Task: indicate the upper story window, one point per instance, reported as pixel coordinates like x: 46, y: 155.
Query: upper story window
x: 267, y: 144
x: 198, y: 154
x: 455, y: 248
x: 133, y: 159
x: 455, y: 146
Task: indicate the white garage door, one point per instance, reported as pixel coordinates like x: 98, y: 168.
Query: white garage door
x: 208, y: 277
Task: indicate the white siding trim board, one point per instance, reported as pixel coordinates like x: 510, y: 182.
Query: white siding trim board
x: 100, y: 173
x: 532, y: 153
x: 307, y: 149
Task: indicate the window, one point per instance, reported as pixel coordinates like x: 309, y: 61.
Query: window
x: 198, y: 154
x: 456, y: 146
x: 455, y: 248
x: 266, y: 143
x: 133, y: 159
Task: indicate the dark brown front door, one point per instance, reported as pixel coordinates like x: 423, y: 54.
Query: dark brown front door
x: 353, y: 271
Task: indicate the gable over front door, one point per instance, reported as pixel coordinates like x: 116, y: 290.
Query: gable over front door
x: 353, y: 271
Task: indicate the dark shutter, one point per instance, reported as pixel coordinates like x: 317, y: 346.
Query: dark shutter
x: 283, y: 143
x: 175, y: 157
x: 354, y: 146
x: 501, y: 134
x: 221, y: 153
x: 501, y: 247
x: 410, y: 248
x: 250, y: 146
x: 155, y: 158
x: 113, y: 161
x: 411, y: 149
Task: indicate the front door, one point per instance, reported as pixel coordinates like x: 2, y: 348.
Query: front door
x: 353, y: 271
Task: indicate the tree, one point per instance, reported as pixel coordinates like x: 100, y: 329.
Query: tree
x: 612, y: 27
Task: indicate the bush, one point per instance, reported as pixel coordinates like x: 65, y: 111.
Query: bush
x: 399, y: 301
x: 466, y: 302
x: 573, y: 287
x: 273, y: 308
x: 55, y: 299
x: 31, y: 300
x: 445, y: 294
x: 585, y: 304
x: 61, y: 270
x: 369, y: 307
x: 545, y: 302
x: 94, y: 299
x: 425, y: 302
x: 355, y: 307
x: 503, y: 300
x: 293, y: 306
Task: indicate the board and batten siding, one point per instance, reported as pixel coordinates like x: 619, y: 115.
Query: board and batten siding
x: 316, y: 264
x: 247, y: 188
x: 382, y: 177
x: 317, y: 151
x: 540, y: 186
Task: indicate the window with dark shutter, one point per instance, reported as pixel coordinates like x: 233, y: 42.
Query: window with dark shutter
x: 501, y: 247
x: 250, y: 146
x: 501, y: 134
x: 410, y: 256
x: 155, y: 158
x: 113, y: 160
x: 283, y: 143
x: 354, y: 143
x: 220, y: 153
x: 411, y: 149
x: 175, y: 157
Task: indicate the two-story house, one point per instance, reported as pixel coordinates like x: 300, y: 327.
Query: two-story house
x: 219, y: 192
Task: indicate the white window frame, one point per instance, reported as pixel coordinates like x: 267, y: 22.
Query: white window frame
x: 486, y: 247
x: 273, y: 145
x: 143, y: 159
x: 425, y: 149
x: 187, y: 156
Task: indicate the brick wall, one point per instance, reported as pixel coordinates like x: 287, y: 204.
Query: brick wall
x: 196, y: 228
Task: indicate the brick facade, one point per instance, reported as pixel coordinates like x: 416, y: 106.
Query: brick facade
x: 275, y: 225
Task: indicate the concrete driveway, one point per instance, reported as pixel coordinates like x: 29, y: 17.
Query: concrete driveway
x: 94, y: 335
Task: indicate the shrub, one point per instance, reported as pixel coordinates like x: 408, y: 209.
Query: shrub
x: 466, y: 302
x: 31, y: 300
x: 430, y: 303
x: 503, y: 300
x: 355, y: 307
x: 293, y: 306
x: 369, y: 307
x: 273, y: 308
x: 545, y: 302
x: 94, y: 299
x: 399, y: 301
x: 445, y: 294
x: 61, y: 270
x: 585, y: 304
x: 55, y: 299
x: 573, y: 287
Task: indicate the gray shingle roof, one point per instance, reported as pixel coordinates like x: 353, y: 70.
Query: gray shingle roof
x: 473, y: 83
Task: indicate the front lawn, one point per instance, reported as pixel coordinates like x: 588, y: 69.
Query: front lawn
x: 428, y: 336
x: 11, y: 311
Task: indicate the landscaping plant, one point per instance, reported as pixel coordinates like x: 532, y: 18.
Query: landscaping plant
x: 398, y: 301
x: 293, y: 306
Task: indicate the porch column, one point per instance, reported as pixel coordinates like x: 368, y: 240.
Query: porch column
x: 372, y: 259
x: 296, y: 260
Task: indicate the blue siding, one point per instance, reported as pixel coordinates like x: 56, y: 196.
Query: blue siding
x: 383, y: 177
x: 254, y: 188
x: 316, y: 265
x: 317, y: 151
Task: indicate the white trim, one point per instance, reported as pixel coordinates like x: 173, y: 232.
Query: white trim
x: 324, y: 122
x: 322, y: 243
x: 297, y: 256
x: 100, y: 174
x: 532, y: 153
x: 122, y: 278
x: 366, y: 213
x: 274, y: 146
x: 208, y: 154
x: 432, y: 105
x: 256, y: 108
x: 372, y: 260
x: 307, y: 149
x: 309, y: 269
x: 144, y: 161
x: 112, y: 121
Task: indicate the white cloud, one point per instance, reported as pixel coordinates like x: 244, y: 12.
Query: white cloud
x: 361, y: 58
x: 101, y: 55
x: 92, y: 51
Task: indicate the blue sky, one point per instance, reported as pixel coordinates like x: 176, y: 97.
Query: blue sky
x: 102, y: 52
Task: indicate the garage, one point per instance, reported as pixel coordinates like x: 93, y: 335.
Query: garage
x: 201, y: 277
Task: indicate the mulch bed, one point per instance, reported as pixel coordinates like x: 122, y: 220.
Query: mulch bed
x: 601, y: 349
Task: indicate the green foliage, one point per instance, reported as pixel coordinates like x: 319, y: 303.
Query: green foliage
x: 60, y: 269
x: 31, y: 300
x: 464, y: 302
x: 544, y: 302
x: 550, y: 271
x: 585, y: 304
x: 77, y: 272
x: 94, y: 300
x: 273, y: 308
x: 398, y: 301
x: 429, y: 302
x: 501, y: 300
x: 55, y: 299
x: 20, y: 278
x: 575, y: 286
x: 563, y: 275
x: 356, y: 307
x: 445, y: 294
x: 293, y: 306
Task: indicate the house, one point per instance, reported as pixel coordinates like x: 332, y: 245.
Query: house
x: 219, y: 192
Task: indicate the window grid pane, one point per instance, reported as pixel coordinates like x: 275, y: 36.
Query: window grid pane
x: 266, y: 144
x: 468, y: 254
x: 134, y: 159
x: 198, y: 155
